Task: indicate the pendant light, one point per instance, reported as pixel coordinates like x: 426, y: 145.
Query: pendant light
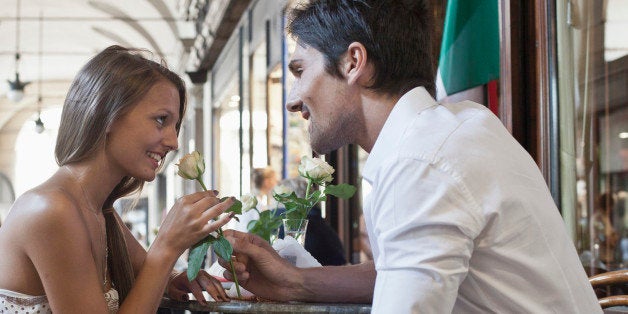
x: 39, y: 125
x: 16, y: 87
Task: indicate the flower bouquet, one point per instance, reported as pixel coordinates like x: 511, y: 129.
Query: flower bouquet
x: 317, y: 173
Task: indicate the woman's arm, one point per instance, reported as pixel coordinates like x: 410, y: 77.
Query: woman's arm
x: 178, y: 286
x: 58, y: 244
x: 187, y: 222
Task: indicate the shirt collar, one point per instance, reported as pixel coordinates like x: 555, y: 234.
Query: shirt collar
x: 402, y: 114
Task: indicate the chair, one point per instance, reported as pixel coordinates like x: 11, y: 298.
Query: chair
x: 614, y: 282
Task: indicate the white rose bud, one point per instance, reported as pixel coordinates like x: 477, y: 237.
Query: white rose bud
x: 316, y: 169
x: 248, y: 202
x: 191, y: 166
x: 282, y: 190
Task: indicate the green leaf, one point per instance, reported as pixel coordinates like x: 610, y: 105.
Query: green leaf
x: 315, y: 197
x: 251, y: 225
x: 197, y: 255
x: 223, y: 248
x: 291, y: 206
x: 285, y: 198
x: 235, y: 208
x: 342, y: 190
x: 266, y: 225
x: 273, y: 225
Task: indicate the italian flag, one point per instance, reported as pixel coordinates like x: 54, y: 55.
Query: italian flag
x: 469, y: 54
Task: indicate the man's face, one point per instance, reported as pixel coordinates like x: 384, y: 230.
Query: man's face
x: 327, y: 101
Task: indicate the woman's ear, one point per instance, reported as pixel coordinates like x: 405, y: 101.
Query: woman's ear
x: 356, y: 68
x: 110, y: 126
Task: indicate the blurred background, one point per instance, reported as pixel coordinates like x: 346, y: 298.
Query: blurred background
x: 560, y: 87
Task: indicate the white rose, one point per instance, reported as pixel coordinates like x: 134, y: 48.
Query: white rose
x: 248, y: 202
x: 191, y: 166
x: 316, y: 169
x: 282, y: 190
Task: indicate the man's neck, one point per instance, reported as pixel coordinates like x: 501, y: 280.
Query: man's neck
x: 376, y: 109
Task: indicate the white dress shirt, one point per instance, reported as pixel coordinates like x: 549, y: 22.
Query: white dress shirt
x: 461, y: 220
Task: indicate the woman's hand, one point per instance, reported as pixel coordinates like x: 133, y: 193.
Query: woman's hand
x: 179, y: 287
x: 191, y: 219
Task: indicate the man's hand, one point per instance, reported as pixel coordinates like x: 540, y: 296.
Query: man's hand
x: 260, y: 269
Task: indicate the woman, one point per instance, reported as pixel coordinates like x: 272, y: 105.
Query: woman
x: 64, y: 249
x: 264, y: 180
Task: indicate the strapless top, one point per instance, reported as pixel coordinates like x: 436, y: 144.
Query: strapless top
x: 15, y: 302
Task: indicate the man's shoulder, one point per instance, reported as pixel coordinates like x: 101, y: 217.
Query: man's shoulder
x: 433, y: 128
x: 460, y: 135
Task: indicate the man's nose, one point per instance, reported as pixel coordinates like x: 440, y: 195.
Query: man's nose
x: 294, y: 105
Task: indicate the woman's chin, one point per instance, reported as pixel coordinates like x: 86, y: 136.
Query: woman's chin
x: 147, y: 177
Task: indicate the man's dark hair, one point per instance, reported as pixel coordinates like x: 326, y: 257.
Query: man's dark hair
x: 396, y: 34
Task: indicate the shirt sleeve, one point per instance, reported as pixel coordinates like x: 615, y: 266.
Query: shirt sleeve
x: 424, y: 222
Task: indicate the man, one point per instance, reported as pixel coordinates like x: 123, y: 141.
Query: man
x: 459, y: 217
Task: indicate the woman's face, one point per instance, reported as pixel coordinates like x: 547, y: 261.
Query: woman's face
x: 270, y: 182
x: 140, y: 139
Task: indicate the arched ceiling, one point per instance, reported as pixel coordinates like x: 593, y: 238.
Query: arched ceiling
x: 74, y: 30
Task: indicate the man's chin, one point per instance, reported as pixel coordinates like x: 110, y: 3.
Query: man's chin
x: 324, y: 148
x: 319, y: 152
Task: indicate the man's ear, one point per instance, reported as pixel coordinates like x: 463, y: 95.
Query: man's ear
x: 356, y: 68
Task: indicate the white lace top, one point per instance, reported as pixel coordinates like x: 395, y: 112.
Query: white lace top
x: 19, y: 303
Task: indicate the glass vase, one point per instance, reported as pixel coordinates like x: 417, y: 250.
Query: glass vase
x: 295, y: 228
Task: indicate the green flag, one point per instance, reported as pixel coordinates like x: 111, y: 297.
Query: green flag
x: 469, y: 53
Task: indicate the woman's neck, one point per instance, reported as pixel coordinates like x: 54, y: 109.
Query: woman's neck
x: 96, y: 182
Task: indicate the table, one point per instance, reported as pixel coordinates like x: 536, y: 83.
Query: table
x: 168, y: 305
x: 616, y: 310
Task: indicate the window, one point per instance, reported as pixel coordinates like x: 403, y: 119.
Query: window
x: 593, y: 128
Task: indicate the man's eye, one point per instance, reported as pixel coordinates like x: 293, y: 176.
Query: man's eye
x: 161, y: 120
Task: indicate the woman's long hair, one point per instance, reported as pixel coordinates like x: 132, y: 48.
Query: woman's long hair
x: 105, y: 89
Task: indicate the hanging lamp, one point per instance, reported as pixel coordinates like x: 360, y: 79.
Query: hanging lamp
x: 16, y: 87
x: 39, y: 125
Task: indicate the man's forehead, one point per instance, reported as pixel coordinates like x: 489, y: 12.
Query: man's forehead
x: 302, y: 52
x: 299, y: 51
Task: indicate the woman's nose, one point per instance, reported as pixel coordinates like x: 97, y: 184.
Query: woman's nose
x: 171, y: 140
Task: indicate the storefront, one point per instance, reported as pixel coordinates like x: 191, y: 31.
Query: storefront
x: 563, y: 96
x: 592, y: 117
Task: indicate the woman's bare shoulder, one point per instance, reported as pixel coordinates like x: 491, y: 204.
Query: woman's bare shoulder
x: 43, y: 208
x: 44, y: 198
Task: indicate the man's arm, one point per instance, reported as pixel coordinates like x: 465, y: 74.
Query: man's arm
x: 266, y: 274
x: 424, y: 230
x: 351, y: 284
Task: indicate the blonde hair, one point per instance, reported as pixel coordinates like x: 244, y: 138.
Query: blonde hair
x: 259, y: 175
